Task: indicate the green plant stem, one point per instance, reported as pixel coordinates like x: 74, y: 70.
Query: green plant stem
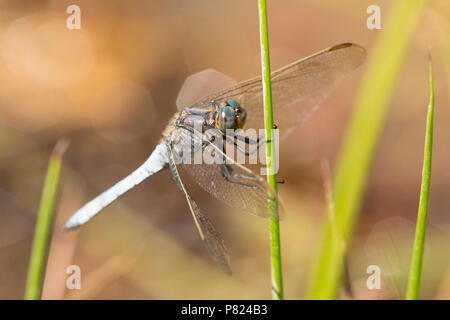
x: 361, y: 139
x: 42, y: 233
x: 275, y: 249
x: 419, y: 241
x: 336, y: 226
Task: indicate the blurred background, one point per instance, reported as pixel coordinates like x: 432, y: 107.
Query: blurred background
x: 111, y: 87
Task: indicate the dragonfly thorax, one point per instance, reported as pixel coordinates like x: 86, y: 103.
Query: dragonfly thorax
x: 230, y: 115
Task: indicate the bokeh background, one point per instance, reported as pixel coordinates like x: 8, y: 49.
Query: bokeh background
x: 110, y: 88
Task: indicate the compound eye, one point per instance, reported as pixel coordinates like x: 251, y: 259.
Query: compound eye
x: 233, y: 103
x: 227, y: 118
x: 241, y: 115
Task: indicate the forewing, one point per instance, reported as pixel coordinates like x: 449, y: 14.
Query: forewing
x: 198, y: 85
x: 297, y: 89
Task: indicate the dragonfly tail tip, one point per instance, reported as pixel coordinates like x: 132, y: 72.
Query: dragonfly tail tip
x: 70, y: 225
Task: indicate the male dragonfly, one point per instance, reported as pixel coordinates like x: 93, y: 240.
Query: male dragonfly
x: 297, y: 89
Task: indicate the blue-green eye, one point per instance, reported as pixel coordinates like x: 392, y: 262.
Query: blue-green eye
x: 232, y: 102
x: 231, y: 115
x: 227, y: 118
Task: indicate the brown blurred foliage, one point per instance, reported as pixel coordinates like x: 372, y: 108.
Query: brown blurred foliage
x: 110, y: 88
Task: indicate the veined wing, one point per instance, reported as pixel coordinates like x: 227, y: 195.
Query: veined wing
x: 297, y: 89
x: 196, y: 86
x: 211, y: 238
x: 227, y: 180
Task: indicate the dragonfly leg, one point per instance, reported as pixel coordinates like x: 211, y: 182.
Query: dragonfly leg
x: 228, y: 174
x: 215, y: 105
x: 259, y: 141
x: 242, y: 150
x: 247, y: 140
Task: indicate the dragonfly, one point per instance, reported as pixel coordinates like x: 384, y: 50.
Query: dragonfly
x: 297, y: 90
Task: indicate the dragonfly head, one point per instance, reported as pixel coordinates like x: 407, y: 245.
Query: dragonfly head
x: 230, y: 116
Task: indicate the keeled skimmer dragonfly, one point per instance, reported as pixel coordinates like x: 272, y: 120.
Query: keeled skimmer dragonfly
x: 297, y: 90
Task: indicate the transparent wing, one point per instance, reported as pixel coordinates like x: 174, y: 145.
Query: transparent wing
x: 297, y: 89
x: 224, y: 178
x: 211, y: 238
x: 200, y: 84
